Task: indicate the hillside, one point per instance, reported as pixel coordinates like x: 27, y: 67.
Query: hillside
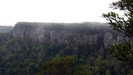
x: 31, y: 46
x: 60, y: 32
x: 4, y: 29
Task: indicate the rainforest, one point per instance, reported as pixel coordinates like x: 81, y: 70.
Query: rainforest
x: 34, y: 48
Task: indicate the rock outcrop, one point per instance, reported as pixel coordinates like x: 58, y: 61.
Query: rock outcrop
x: 94, y: 33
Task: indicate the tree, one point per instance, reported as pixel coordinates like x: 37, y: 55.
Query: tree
x: 81, y: 70
x: 63, y: 66
x: 58, y: 66
x: 122, y: 24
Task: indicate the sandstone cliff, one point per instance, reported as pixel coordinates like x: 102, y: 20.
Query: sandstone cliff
x: 94, y: 33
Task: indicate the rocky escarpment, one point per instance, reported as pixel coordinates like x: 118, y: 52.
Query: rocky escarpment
x: 94, y: 33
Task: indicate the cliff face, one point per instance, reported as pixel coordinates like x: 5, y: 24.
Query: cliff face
x: 93, y: 33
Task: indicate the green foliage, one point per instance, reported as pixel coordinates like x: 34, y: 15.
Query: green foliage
x: 81, y: 70
x: 120, y: 23
x: 26, y: 56
x: 124, y: 51
x: 29, y: 56
x: 63, y: 66
x: 58, y: 66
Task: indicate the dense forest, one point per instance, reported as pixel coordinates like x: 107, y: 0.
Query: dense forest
x: 64, y: 49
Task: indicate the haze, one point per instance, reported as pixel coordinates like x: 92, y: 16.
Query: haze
x: 68, y: 11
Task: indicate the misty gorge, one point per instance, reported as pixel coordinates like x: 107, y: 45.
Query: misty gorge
x: 35, y: 48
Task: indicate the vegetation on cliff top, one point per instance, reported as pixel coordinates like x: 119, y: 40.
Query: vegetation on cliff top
x: 29, y: 56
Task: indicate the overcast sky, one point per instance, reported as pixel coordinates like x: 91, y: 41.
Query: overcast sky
x: 12, y: 11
